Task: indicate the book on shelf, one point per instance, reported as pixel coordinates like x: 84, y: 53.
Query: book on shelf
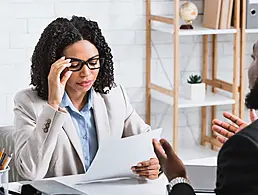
x: 217, y: 14
x: 230, y: 13
x: 226, y: 14
x: 211, y: 13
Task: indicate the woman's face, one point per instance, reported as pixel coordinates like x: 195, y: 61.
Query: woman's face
x: 81, y: 81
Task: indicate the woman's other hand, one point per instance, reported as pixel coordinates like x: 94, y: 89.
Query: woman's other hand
x: 149, y: 169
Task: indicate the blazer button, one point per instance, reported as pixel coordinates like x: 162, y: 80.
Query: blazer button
x: 47, y: 125
x: 49, y: 121
x: 45, y: 130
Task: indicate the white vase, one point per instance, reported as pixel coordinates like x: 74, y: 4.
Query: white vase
x: 195, y: 92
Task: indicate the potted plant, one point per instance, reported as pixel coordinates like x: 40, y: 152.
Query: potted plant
x: 195, y: 88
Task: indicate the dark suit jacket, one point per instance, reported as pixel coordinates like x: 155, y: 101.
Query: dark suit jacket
x: 182, y: 189
x: 237, y: 170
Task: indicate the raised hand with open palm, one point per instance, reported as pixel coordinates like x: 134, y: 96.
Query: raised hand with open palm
x: 226, y: 130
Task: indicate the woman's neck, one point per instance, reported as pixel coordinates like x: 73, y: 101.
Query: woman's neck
x: 78, y: 99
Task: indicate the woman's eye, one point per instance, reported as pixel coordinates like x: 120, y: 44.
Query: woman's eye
x: 93, y: 63
x: 74, y: 63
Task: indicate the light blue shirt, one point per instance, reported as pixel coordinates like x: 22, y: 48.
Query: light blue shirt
x: 85, y: 124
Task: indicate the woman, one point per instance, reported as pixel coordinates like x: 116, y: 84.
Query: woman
x: 74, y: 104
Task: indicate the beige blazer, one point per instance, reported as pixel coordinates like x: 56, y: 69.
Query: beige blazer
x: 46, y: 141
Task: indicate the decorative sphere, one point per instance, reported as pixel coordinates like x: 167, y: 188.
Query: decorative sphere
x: 188, y: 11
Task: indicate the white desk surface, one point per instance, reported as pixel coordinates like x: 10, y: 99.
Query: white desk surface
x: 209, y: 161
x: 125, y: 187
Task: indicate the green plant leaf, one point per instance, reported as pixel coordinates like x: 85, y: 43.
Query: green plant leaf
x: 193, y: 79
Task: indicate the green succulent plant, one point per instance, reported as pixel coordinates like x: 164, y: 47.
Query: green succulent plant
x: 194, y: 79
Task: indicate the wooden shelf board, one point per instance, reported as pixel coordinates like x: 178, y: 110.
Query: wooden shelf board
x: 211, y: 99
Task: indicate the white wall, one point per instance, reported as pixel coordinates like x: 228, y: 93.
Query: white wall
x: 123, y: 24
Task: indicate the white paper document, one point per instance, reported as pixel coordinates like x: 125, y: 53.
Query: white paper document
x: 115, y: 157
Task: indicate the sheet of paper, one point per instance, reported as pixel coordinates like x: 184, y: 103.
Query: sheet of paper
x: 15, y: 187
x: 115, y: 157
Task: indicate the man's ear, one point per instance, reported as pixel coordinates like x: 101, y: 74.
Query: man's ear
x: 251, y: 98
x: 253, y: 68
x: 255, y: 49
x: 251, y: 74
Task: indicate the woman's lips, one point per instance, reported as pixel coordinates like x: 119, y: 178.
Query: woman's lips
x: 85, y: 83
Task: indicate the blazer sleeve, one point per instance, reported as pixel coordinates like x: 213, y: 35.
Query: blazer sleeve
x: 237, y: 171
x: 35, y: 137
x: 133, y: 123
x: 182, y: 189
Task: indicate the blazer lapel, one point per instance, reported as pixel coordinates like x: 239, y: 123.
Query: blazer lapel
x: 72, y: 134
x: 101, y: 118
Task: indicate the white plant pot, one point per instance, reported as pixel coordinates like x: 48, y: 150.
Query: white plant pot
x: 195, y: 92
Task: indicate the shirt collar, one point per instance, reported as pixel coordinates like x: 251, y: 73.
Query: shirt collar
x: 66, y: 102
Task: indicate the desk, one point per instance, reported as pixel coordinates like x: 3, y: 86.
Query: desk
x: 130, y: 186
x: 126, y: 186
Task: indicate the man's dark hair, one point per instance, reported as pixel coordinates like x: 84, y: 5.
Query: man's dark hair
x: 251, y: 99
x: 61, y: 33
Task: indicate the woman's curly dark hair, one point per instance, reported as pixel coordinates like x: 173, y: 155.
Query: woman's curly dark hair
x: 61, y: 33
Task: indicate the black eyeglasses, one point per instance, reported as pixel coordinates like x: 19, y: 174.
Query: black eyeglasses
x: 92, y: 63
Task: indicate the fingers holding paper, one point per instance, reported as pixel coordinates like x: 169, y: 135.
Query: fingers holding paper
x: 149, y: 169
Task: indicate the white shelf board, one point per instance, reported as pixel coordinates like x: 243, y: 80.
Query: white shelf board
x: 249, y: 31
x: 198, y: 30
x: 211, y: 99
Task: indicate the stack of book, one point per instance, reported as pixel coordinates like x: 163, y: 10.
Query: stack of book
x: 218, y: 14
x: 4, y: 159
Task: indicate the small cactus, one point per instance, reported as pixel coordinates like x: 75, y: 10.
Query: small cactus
x: 194, y: 79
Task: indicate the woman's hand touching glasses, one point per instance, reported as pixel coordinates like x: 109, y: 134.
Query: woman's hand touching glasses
x: 56, y: 85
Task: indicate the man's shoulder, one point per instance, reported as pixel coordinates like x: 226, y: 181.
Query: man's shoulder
x: 250, y: 132
x: 238, y: 158
x: 245, y: 139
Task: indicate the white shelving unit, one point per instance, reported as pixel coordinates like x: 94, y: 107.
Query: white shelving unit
x: 172, y: 96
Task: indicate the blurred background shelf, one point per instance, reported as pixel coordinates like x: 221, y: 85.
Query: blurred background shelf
x: 212, y: 99
x: 198, y: 30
